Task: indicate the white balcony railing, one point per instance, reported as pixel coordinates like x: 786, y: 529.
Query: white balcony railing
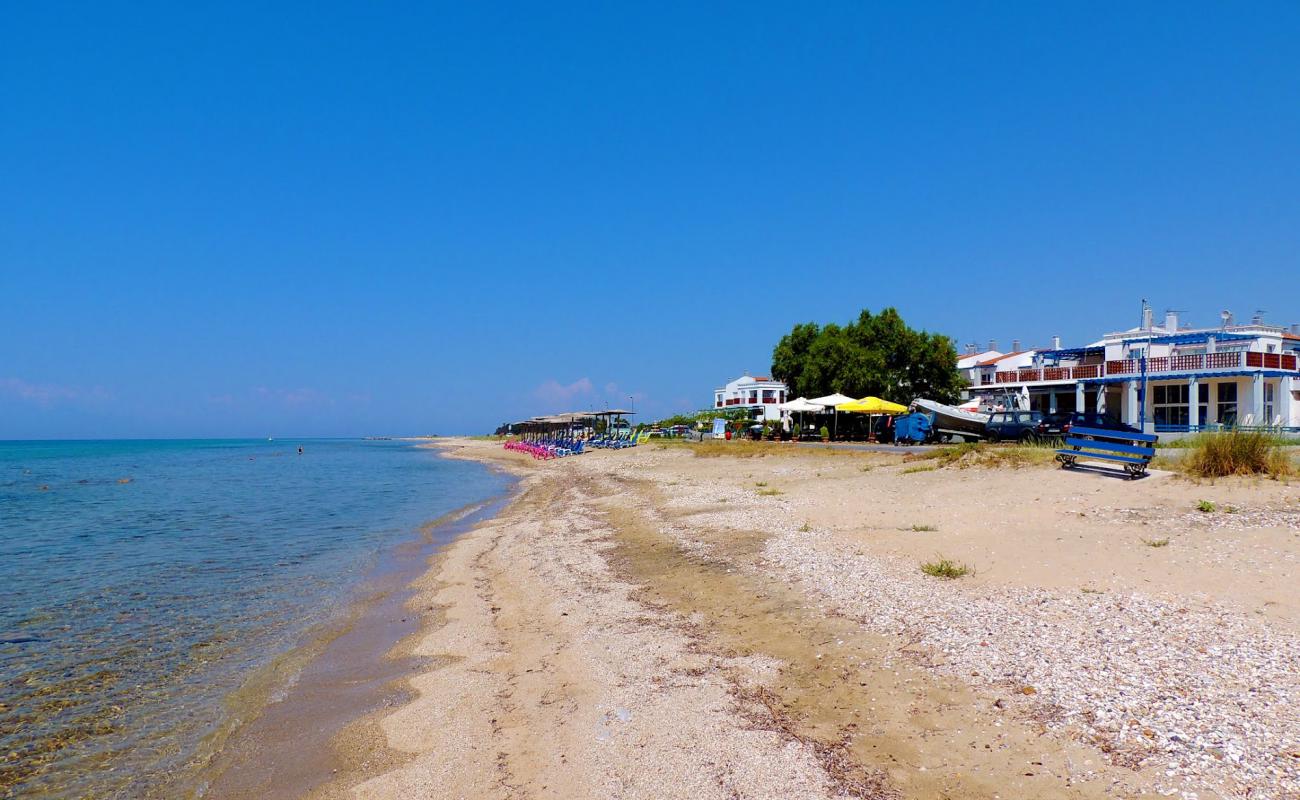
x: 1161, y: 364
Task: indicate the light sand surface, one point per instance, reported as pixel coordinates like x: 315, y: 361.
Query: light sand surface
x: 651, y: 623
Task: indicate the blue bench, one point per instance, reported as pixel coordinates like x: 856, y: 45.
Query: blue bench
x: 1133, y: 450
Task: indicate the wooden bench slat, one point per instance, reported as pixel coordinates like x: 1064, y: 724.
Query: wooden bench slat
x: 1118, y: 447
x: 1130, y: 436
x: 1104, y: 456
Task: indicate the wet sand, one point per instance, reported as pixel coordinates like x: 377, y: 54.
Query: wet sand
x: 320, y: 717
x: 651, y: 623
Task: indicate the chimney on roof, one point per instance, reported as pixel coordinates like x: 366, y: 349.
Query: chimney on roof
x: 1258, y: 318
x: 1295, y: 328
x: 1147, y: 316
x: 1056, y: 343
x: 993, y: 344
x: 971, y: 349
x: 1171, y: 321
x: 1015, y: 345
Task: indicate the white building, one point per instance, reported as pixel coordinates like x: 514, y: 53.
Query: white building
x: 969, y: 363
x: 749, y: 392
x: 1196, y: 378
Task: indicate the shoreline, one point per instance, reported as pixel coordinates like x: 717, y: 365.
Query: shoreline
x: 310, y: 714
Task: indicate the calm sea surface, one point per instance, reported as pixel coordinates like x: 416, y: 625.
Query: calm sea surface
x: 141, y: 583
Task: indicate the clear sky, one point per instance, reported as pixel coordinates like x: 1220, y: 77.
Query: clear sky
x: 331, y: 219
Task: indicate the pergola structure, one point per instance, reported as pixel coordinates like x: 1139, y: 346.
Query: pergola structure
x: 549, y: 424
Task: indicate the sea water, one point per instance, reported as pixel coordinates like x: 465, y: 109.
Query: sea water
x: 143, y: 582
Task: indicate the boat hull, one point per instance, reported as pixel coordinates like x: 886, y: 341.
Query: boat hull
x: 948, y: 418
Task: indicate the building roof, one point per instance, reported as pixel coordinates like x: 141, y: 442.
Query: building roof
x: 1002, y: 357
x: 974, y: 359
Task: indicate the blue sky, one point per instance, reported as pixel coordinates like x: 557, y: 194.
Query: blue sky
x: 332, y: 219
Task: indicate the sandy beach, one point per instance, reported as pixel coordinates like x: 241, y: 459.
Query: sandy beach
x: 752, y: 622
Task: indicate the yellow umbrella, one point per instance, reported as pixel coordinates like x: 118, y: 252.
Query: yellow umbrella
x: 872, y: 405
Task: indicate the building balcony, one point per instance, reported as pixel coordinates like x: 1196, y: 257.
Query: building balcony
x: 1203, y: 362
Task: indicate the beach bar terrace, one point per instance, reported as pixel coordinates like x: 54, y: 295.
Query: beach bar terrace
x: 1231, y: 376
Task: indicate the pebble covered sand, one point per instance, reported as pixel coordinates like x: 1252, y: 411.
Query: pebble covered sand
x: 1208, y: 697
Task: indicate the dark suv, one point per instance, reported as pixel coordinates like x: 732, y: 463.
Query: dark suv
x: 1092, y: 419
x: 1024, y: 426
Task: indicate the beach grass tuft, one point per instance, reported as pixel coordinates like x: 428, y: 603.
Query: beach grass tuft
x: 921, y: 529
x: 989, y: 456
x: 1218, y: 455
x: 919, y: 468
x: 945, y: 568
x: 1156, y: 542
x: 769, y: 492
x: 1205, y: 507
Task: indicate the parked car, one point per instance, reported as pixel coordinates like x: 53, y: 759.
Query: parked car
x: 1058, y: 424
x: 1092, y: 419
x: 1021, y: 426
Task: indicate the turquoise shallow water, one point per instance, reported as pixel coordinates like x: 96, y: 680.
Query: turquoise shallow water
x: 143, y: 582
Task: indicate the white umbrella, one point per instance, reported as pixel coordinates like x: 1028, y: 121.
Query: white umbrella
x: 1101, y: 400
x: 1024, y: 398
x: 801, y: 404
x: 831, y: 401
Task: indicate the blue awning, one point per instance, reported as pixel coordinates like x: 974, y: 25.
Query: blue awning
x: 1070, y: 352
x: 1192, y: 338
x: 1177, y: 376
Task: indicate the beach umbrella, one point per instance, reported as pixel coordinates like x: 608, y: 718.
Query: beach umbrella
x: 800, y: 405
x: 872, y: 405
x: 833, y: 401
x: 1024, y: 398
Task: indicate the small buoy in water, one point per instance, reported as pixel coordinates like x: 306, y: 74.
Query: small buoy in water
x: 123, y: 480
x: 299, y: 451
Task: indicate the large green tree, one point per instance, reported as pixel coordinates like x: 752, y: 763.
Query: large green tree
x: 873, y: 355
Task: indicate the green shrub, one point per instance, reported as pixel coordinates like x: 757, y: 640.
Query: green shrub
x: 825, y: 432
x: 1216, y: 455
x: 945, y: 568
x: 1205, y: 507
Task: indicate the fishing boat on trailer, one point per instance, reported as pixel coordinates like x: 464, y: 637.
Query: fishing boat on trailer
x: 953, y: 421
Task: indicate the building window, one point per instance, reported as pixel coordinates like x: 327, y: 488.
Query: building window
x: 753, y: 395
x: 1227, y: 404
x: 1202, y: 403
x: 1269, y: 390
x: 1170, y: 404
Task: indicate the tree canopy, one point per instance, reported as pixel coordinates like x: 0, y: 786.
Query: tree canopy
x: 873, y: 355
